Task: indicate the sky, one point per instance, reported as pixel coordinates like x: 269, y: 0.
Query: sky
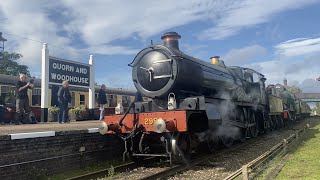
x: 279, y: 38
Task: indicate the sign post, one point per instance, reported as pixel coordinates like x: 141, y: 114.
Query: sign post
x: 92, y: 88
x: 55, y: 70
x: 44, y: 83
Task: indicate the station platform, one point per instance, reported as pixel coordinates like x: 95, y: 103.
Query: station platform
x: 54, y: 148
x: 87, y: 126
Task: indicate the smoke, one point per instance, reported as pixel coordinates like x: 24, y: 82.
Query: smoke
x: 224, y: 111
x: 227, y: 112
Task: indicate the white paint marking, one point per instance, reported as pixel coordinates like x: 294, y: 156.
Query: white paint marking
x: 32, y: 135
x: 93, y: 130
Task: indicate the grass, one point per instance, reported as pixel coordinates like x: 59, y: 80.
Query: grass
x: 104, y: 165
x: 305, y: 161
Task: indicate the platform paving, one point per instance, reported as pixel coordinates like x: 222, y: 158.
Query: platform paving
x: 50, y: 126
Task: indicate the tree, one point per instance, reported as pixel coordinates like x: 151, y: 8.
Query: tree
x: 294, y: 89
x: 10, y: 66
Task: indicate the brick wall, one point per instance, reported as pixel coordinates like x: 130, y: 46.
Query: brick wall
x: 67, y: 144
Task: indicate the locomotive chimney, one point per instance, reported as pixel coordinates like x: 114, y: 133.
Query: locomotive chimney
x: 285, y: 83
x: 171, y: 40
x: 215, y: 60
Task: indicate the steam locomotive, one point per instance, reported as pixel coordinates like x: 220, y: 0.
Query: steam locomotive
x: 191, y: 102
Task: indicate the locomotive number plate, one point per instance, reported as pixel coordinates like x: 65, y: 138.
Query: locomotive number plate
x: 149, y: 121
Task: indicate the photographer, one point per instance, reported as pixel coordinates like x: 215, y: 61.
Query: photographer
x: 22, y: 98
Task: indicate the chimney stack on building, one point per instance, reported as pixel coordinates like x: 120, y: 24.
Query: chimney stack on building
x: 285, y: 83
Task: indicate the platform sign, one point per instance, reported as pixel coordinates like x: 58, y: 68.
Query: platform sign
x: 78, y: 74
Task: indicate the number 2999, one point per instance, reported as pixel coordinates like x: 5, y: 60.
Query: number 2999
x: 149, y: 121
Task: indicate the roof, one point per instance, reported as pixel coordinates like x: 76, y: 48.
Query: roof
x: 12, y: 80
x: 308, y: 95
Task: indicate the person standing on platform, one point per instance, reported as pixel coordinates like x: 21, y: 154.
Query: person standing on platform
x: 22, y: 98
x: 102, y: 100
x: 64, y: 97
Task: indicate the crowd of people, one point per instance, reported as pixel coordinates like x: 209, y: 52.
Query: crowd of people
x: 23, y: 109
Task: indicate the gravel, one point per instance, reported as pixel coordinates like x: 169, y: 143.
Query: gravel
x: 226, y: 163
x: 222, y: 166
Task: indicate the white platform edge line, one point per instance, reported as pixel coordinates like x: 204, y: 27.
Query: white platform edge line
x: 32, y: 135
x: 93, y: 130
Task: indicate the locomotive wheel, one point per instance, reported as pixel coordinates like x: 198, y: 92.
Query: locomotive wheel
x: 274, y: 122
x: 252, y: 119
x: 227, y: 141
x: 212, y: 146
x: 181, y: 148
x: 243, y: 131
x: 281, y: 122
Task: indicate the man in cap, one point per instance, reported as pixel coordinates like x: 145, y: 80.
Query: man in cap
x: 22, y: 98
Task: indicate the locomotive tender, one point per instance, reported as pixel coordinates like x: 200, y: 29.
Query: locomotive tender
x: 190, y: 101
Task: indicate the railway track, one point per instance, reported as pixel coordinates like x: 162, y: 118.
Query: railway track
x: 166, y: 172
x: 117, y: 169
x: 141, y: 171
x: 173, y: 170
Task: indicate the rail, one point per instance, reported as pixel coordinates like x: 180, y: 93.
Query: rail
x: 105, y: 172
x: 181, y: 168
x: 254, y: 165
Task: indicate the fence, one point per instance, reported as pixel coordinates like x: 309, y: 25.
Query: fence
x: 254, y: 167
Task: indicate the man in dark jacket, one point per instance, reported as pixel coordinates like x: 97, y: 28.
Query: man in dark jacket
x: 64, y: 97
x: 22, y: 98
x: 102, y: 100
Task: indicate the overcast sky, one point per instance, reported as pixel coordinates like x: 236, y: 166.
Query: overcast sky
x: 279, y: 38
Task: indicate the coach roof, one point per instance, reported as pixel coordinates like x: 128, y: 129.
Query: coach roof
x: 12, y: 80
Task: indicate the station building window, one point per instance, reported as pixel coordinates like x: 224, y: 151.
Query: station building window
x: 96, y: 100
x: 8, y: 94
x: 112, y: 100
x: 36, y: 97
x: 126, y: 101
x: 82, y: 99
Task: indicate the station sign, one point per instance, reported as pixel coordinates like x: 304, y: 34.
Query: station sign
x: 78, y: 74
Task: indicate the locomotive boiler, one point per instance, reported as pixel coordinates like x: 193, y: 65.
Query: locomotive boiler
x: 187, y: 98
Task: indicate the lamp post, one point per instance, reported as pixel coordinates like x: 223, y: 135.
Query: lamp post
x: 3, y: 40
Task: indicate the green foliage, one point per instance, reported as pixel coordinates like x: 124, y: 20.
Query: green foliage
x: 294, y: 89
x: 317, y: 108
x: 10, y: 66
x: 111, y: 171
x: 304, y: 163
x: 98, y: 166
x: 78, y: 113
x: 53, y: 113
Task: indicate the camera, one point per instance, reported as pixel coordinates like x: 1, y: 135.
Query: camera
x: 31, y: 81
